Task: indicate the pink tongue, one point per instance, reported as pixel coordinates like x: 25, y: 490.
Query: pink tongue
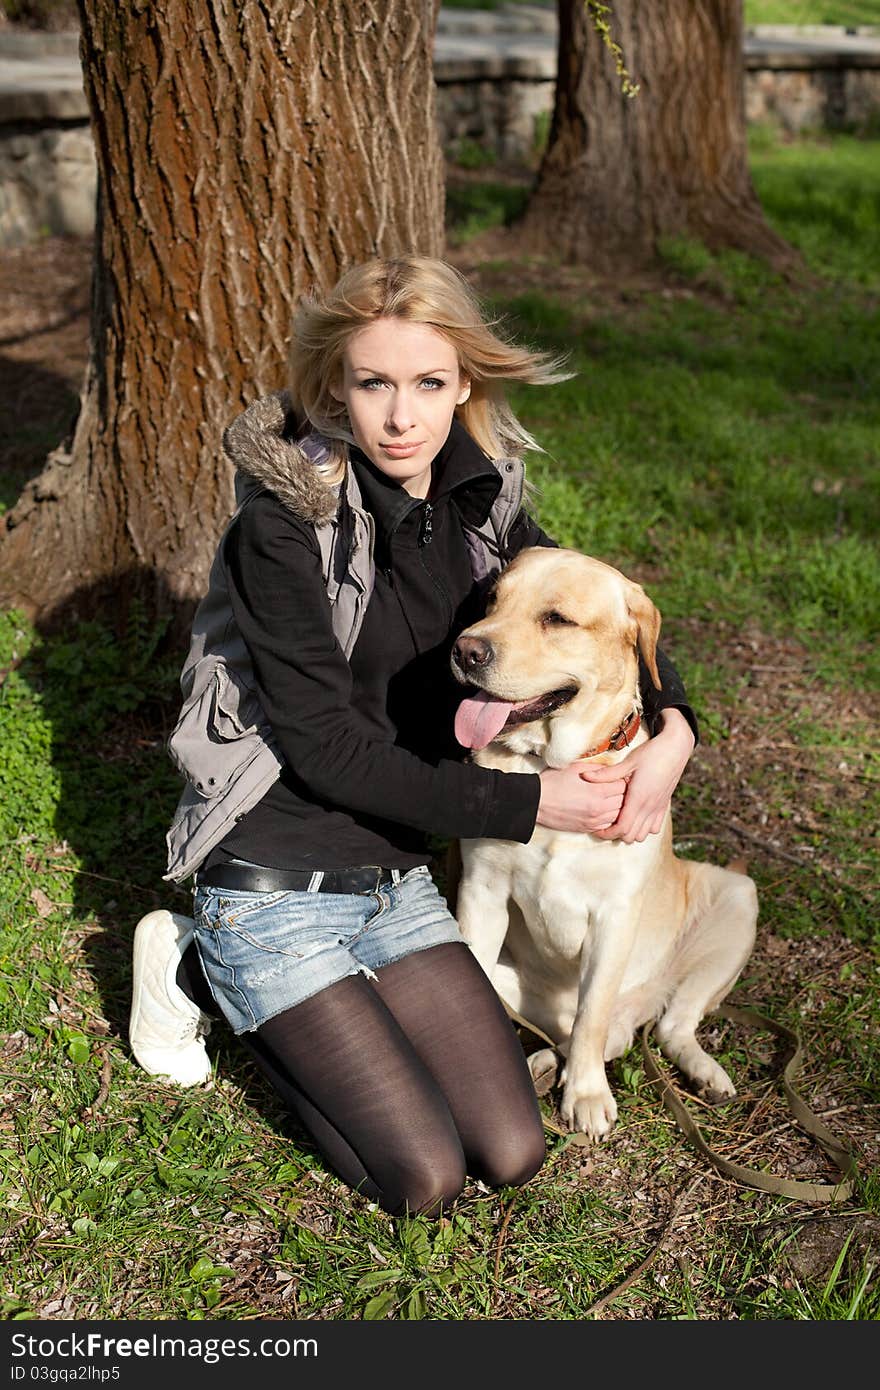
x: 479, y: 718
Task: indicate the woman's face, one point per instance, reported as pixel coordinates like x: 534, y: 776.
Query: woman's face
x: 401, y: 383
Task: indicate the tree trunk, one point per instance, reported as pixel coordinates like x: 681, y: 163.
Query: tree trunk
x: 246, y: 152
x: 619, y: 172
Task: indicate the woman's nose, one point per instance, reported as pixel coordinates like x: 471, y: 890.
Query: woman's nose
x: 401, y: 415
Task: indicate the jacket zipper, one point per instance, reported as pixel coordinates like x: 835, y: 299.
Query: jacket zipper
x: 426, y: 535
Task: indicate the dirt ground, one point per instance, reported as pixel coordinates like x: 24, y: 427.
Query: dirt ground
x: 44, y: 317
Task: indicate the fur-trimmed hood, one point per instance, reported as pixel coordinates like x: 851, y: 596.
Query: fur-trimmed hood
x: 262, y: 443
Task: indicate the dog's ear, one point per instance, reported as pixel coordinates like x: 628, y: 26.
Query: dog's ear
x: 647, y: 618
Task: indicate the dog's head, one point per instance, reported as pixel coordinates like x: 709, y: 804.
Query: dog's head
x: 555, y: 658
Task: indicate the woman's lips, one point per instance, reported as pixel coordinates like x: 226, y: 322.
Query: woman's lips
x: 401, y: 451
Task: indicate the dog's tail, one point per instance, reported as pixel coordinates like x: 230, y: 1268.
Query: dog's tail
x: 738, y: 866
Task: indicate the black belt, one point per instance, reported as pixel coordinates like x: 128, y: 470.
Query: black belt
x: 254, y: 878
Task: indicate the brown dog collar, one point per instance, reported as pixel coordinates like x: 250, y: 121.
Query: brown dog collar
x: 621, y: 738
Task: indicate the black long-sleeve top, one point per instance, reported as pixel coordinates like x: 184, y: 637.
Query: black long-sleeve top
x: 371, y: 763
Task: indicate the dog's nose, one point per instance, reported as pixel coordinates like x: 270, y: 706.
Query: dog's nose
x: 472, y: 653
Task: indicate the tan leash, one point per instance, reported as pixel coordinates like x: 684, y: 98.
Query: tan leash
x: 840, y: 1155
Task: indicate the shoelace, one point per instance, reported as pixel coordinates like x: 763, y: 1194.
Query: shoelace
x: 193, y: 1028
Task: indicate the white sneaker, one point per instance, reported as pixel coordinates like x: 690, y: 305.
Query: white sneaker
x: 166, y: 1029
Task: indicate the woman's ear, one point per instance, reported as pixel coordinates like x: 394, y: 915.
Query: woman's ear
x: 336, y: 389
x: 465, y: 391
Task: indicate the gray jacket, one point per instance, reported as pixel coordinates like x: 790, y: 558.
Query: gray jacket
x: 222, y: 743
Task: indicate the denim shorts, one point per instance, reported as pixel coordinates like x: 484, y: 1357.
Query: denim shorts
x: 265, y: 952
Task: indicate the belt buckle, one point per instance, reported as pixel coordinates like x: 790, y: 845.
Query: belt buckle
x: 379, y: 872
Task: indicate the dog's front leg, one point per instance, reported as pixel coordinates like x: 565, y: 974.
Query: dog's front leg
x: 587, y: 1102
x: 481, y: 909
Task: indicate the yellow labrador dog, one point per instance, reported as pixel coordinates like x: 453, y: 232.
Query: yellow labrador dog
x: 587, y: 938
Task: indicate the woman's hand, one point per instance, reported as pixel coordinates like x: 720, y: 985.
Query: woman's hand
x: 569, y: 802
x: 651, y: 773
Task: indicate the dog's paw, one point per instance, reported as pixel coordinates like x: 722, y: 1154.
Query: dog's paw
x: 594, y: 1113
x: 707, y: 1077
x: 717, y: 1094
x: 544, y: 1066
x: 711, y: 1097
x: 712, y: 1084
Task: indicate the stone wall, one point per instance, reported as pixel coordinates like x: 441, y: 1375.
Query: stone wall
x: 47, y: 161
x: 508, y: 115
x: 47, y: 182
x: 828, y: 97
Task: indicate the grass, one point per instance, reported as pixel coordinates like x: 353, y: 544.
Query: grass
x: 477, y: 207
x: 731, y: 471
x: 852, y: 13
x: 720, y: 442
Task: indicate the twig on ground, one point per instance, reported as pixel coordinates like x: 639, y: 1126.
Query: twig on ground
x: 769, y: 847
x: 502, y: 1235
x: 789, y: 1127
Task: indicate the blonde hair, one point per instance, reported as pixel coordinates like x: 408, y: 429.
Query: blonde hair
x: 422, y: 290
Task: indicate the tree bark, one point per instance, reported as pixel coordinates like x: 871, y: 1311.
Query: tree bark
x: 619, y: 172
x: 246, y: 152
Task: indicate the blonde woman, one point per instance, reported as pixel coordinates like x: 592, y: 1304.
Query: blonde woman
x: 377, y: 497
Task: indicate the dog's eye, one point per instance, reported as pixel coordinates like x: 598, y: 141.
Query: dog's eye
x: 555, y: 619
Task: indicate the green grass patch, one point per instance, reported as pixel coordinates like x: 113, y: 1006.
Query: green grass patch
x: 823, y: 195
x: 850, y: 13
x: 475, y: 208
x: 730, y: 449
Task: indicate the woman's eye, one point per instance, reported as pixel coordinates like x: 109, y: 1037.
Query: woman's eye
x: 433, y: 383
x: 371, y: 384
x: 556, y: 619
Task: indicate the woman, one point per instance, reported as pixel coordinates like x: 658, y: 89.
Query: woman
x: 375, y: 500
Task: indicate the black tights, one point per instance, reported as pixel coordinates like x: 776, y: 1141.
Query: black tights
x: 407, y: 1082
